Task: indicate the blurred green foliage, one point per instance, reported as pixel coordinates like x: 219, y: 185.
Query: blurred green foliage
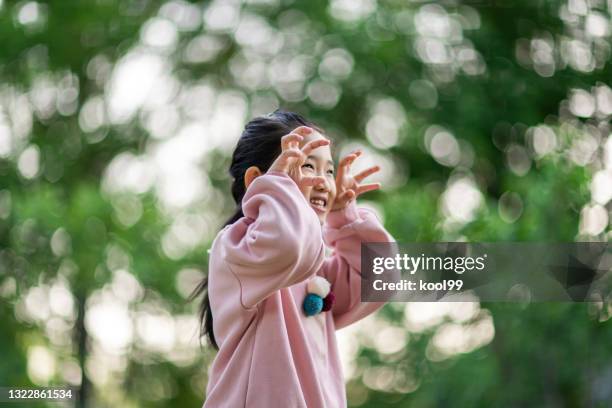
x: 491, y: 118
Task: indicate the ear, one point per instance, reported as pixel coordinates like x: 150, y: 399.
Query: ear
x: 251, y: 174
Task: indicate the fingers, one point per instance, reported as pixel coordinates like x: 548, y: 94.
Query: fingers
x: 295, y: 137
x: 350, y: 194
x: 291, y: 140
x: 291, y: 154
x: 303, y: 130
x: 307, y: 149
x: 310, y: 146
x: 367, y: 172
x: 283, y: 161
x: 345, y: 164
x: 364, y: 188
x: 349, y: 158
x: 343, y: 167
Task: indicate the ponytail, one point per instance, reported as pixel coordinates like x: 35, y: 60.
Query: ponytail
x: 206, y: 317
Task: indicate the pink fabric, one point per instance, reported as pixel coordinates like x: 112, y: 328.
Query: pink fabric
x: 271, y: 354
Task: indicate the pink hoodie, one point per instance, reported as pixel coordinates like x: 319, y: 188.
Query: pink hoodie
x: 271, y: 354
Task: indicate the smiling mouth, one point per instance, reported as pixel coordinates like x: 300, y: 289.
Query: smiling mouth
x: 318, y: 204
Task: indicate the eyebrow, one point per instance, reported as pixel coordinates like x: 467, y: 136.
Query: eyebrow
x: 311, y: 157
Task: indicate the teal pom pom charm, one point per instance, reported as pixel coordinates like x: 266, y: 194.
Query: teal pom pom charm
x: 313, y: 304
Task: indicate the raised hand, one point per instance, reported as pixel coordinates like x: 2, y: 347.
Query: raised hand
x: 349, y: 187
x: 292, y: 157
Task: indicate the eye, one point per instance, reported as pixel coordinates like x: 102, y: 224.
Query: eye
x: 330, y: 172
x: 308, y: 166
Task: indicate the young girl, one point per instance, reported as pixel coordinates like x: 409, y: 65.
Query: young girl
x: 275, y: 297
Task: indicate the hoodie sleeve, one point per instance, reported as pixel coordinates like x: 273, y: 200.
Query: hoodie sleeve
x: 344, y: 231
x: 277, y: 243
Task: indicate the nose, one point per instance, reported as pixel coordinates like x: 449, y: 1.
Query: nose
x: 324, y: 187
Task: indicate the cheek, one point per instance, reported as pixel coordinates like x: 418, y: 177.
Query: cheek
x: 305, y: 191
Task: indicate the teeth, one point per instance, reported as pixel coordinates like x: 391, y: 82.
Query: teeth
x: 318, y: 202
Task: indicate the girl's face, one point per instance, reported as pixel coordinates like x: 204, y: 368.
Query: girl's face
x: 319, y: 163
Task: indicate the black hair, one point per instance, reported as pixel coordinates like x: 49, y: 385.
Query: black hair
x: 259, y: 145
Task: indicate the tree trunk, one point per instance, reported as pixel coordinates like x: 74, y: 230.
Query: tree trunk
x: 81, y: 341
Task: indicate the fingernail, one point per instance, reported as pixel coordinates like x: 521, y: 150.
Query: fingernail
x: 308, y: 130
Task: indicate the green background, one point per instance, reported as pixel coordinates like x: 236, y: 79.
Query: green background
x: 490, y: 118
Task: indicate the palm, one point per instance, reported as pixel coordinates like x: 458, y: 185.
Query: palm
x: 348, y: 186
x: 345, y: 183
